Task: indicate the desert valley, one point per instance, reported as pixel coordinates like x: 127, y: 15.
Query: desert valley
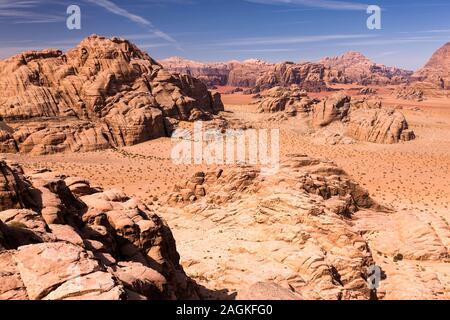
x: 94, y: 207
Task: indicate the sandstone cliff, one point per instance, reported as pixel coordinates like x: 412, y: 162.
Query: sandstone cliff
x: 307, y: 76
x: 231, y: 73
x: 104, y: 93
x: 352, y: 67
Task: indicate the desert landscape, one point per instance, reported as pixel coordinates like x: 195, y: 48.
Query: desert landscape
x: 96, y: 204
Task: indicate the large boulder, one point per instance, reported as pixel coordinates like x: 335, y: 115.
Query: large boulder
x: 291, y: 101
x: 385, y: 126
x: 331, y: 109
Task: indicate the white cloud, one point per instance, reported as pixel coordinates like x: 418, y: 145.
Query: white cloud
x: 291, y: 40
x: 24, y: 11
x: 323, y: 4
x: 115, y: 9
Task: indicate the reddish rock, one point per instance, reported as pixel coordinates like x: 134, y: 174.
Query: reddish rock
x: 437, y: 69
x: 354, y: 67
x: 103, y: 93
x: 102, y: 245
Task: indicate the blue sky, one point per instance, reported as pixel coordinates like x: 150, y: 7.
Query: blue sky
x: 220, y: 30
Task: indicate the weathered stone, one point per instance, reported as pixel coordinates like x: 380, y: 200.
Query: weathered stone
x: 109, y: 93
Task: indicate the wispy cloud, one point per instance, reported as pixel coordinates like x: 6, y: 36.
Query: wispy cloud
x: 265, y: 50
x: 292, y: 40
x: 437, y: 31
x: 115, y: 9
x: 25, y: 11
x: 322, y: 4
x: 393, y: 41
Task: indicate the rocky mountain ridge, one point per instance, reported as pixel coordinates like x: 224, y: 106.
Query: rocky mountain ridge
x: 352, y: 67
x: 108, y: 92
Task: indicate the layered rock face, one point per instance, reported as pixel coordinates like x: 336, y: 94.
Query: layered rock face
x: 111, y: 94
x: 292, y: 229
x: 62, y: 239
x: 212, y: 74
x: 353, y: 67
x: 232, y: 73
x: 437, y: 70
x: 255, y: 74
x: 247, y: 73
x: 410, y: 93
x: 385, y: 126
x: 339, y: 116
x: 293, y: 101
x: 307, y: 232
x: 307, y: 76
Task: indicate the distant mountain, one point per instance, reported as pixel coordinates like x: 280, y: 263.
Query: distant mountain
x: 437, y: 70
x: 233, y: 73
x: 354, y: 67
x: 211, y: 74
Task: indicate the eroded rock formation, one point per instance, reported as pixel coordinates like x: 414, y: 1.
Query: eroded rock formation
x: 62, y: 239
x: 293, y: 229
x: 437, y: 70
x: 291, y: 101
x: 307, y: 232
x: 410, y: 93
x: 104, y: 93
x: 307, y: 76
x: 339, y: 116
x: 354, y: 67
x: 232, y: 73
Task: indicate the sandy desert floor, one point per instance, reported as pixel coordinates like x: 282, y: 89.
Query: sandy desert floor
x: 411, y: 177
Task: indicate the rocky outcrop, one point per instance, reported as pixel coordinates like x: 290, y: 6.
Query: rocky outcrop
x: 245, y: 74
x: 338, y: 117
x: 104, y: 93
x: 437, y: 70
x: 410, y: 93
x: 353, y: 67
x: 292, y: 102
x: 385, y: 126
x: 307, y: 76
x: 307, y: 232
x: 332, y: 109
x: 292, y: 229
x: 61, y: 239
